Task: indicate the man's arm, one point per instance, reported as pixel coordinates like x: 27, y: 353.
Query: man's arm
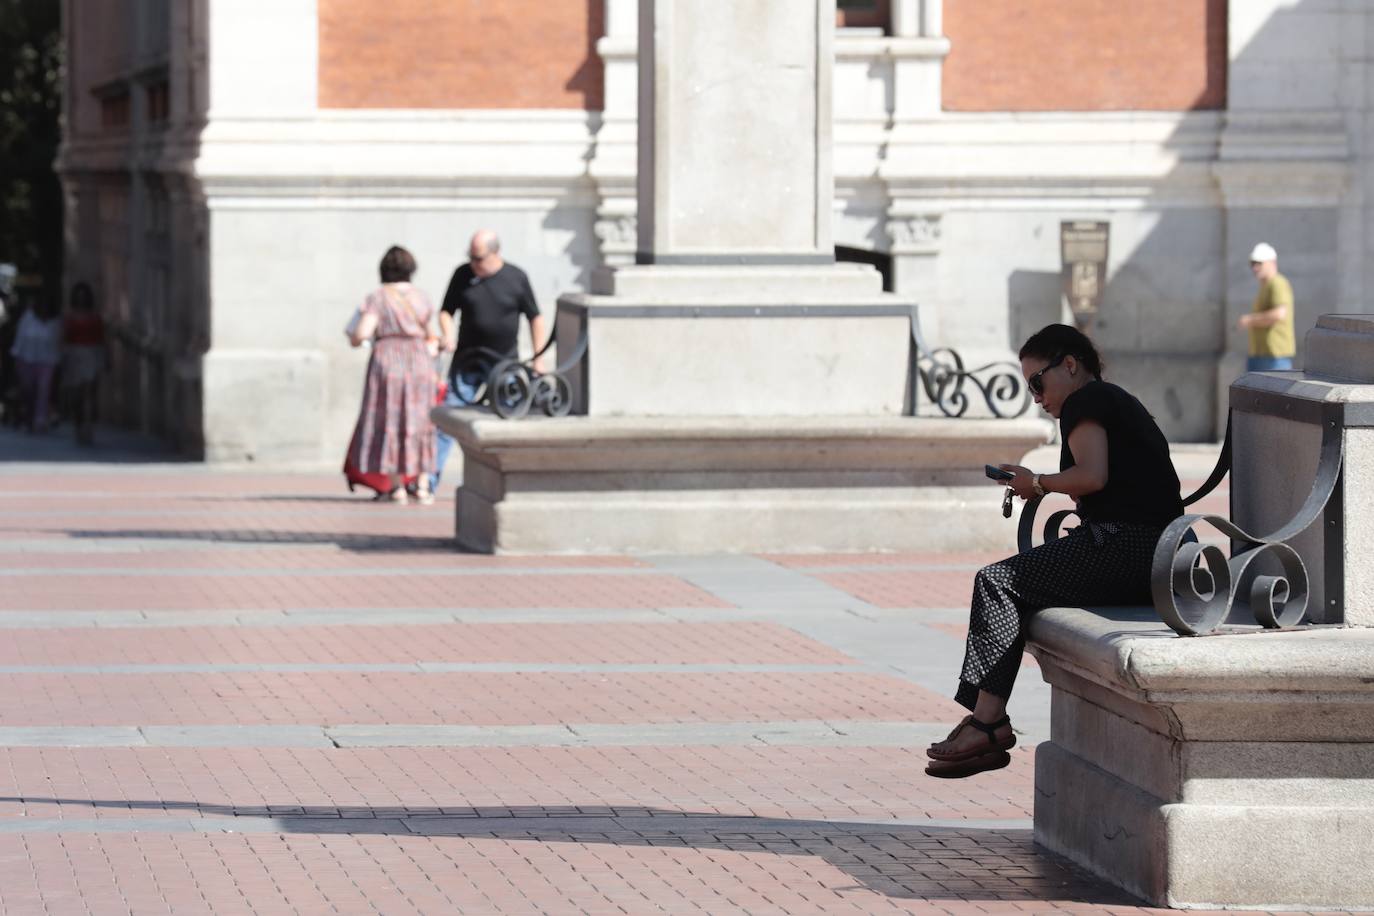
x: 538, y: 332
x: 1265, y: 319
x: 453, y: 304
x: 448, y: 331
x: 538, y: 338
x: 1281, y: 301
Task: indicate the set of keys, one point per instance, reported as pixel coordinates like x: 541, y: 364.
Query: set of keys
x: 995, y: 473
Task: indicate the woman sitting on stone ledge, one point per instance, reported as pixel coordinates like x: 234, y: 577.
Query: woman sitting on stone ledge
x: 1115, y: 463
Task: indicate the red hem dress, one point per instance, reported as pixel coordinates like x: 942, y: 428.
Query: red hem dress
x: 394, y: 434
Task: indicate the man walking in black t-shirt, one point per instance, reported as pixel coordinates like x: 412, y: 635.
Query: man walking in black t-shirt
x: 480, y: 317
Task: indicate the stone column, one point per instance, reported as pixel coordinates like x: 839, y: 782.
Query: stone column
x: 245, y: 370
x: 918, y: 49
x: 736, y: 269
x: 734, y: 132
x: 613, y: 168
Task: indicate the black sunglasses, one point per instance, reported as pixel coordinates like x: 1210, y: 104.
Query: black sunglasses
x: 1036, y: 382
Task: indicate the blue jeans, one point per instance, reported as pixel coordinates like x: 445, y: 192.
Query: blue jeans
x: 462, y: 391
x: 1269, y: 364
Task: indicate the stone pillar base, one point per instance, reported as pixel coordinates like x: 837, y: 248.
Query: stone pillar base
x: 1234, y: 770
x: 594, y: 485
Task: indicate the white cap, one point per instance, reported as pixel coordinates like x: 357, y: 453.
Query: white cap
x: 1264, y: 252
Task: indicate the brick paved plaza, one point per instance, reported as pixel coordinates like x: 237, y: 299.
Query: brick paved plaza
x: 240, y: 692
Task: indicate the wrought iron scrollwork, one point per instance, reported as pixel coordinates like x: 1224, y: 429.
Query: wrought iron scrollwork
x: 1194, y: 585
x: 946, y: 381
x: 1054, y: 525
x: 512, y: 387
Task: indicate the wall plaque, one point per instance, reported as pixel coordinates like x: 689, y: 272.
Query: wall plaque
x: 1083, y: 260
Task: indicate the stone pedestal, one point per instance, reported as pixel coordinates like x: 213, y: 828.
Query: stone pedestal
x: 747, y: 342
x: 1234, y: 770
x: 1278, y: 420
x: 682, y: 485
x: 737, y: 389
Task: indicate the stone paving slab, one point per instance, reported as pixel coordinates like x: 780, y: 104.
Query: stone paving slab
x: 826, y: 562
x: 905, y: 588
x: 301, y: 698
x: 423, y: 646
x: 801, y: 733
x: 606, y: 871
x: 126, y: 591
x: 196, y: 560
x: 809, y: 782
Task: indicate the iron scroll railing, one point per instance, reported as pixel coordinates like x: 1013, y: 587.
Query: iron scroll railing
x: 1194, y: 586
x: 946, y: 380
x: 512, y: 386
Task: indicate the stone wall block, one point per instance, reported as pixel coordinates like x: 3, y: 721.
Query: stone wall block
x: 1108, y: 826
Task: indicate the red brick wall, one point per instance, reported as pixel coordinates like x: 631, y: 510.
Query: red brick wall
x: 460, y: 53
x: 1085, y: 55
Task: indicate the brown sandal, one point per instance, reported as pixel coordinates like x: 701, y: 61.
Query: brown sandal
x: 958, y: 769
x: 992, y: 747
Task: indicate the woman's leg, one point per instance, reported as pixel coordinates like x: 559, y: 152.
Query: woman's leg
x: 27, y: 376
x: 43, y: 395
x: 84, y: 411
x: 1079, y: 568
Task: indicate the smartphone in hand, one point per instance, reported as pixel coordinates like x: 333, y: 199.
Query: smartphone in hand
x: 996, y: 473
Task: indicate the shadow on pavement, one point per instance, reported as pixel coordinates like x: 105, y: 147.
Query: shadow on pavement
x: 56, y: 447
x: 927, y: 860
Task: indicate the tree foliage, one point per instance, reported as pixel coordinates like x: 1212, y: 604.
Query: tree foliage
x: 30, y: 131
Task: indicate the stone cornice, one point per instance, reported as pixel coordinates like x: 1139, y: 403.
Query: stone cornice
x: 408, y: 154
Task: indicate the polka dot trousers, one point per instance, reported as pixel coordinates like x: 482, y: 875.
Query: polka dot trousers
x: 1095, y: 563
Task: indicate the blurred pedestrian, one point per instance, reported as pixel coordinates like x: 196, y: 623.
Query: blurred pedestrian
x: 1270, y: 321
x: 83, y: 359
x: 486, y: 297
x: 37, y: 350
x: 394, y: 436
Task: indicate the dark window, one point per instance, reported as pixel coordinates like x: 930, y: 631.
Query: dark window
x: 159, y: 102
x: 114, y: 111
x: 864, y: 13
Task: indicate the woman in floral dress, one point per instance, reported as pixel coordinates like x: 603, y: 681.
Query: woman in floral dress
x: 394, y: 436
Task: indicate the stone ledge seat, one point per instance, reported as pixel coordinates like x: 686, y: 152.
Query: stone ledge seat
x: 692, y: 484
x: 1235, y: 769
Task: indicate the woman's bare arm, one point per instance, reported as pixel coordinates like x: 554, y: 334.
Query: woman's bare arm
x: 1088, y: 441
x: 1088, y: 474
x: 367, y: 326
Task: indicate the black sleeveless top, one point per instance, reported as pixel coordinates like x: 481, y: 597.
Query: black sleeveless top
x: 1142, y: 485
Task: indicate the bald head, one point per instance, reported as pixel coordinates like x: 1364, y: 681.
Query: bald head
x: 484, y: 242
x: 484, y: 253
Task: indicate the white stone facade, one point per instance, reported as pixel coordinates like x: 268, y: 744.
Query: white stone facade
x: 276, y: 211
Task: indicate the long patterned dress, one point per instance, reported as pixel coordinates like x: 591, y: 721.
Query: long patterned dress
x: 394, y: 434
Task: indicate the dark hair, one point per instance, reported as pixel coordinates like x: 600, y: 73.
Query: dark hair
x: 397, y: 265
x: 46, y: 305
x: 1061, y: 339
x: 82, y: 297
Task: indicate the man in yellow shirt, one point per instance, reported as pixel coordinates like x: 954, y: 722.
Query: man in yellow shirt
x: 1270, y: 322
